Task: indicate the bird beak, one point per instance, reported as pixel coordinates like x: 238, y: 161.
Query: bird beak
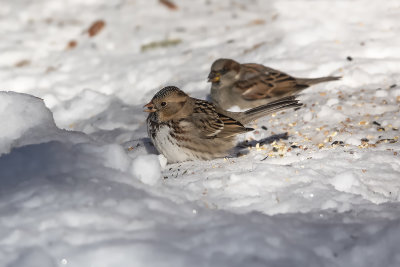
x: 150, y: 107
x: 214, y: 77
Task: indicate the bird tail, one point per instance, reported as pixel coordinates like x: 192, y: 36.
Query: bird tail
x: 311, y: 81
x: 264, y: 110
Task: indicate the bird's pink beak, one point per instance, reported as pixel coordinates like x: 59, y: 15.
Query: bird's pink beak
x: 150, y: 107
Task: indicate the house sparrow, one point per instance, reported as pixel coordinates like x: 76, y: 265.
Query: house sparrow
x: 183, y: 128
x: 250, y: 85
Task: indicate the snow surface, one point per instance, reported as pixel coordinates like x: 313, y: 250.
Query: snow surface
x: 80, y: 184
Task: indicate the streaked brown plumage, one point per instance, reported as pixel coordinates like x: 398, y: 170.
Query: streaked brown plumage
x: 250, y: 85
x: 184, y: 128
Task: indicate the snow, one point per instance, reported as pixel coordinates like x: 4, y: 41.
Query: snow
x: 147, y: 169
x: 345, y: 181
x: 81, y: 185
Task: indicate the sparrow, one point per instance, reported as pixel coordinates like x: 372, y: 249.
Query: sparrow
x: 250, y: 85
x: 183, y: 128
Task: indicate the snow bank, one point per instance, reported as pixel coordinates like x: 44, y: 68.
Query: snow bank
x: 22, y: 115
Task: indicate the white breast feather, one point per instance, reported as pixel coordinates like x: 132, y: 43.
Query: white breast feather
x: 168, y: 146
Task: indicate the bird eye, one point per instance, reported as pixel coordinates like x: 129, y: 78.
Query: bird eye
x: 163, y: 104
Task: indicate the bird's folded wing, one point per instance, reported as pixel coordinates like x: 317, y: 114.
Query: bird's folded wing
x: 262, y: 82
x: 208, y: 123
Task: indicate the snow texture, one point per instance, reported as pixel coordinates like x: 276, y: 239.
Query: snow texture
x: 81, y: 184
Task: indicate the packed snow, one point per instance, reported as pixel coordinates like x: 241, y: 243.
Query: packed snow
x: 81, y: 184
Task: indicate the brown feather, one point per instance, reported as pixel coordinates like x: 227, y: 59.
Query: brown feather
x: 184, y: 128
x: 250, y: 85
x: 259, y: 82
x: 211, y: 124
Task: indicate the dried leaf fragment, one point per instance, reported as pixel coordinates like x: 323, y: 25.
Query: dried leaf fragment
x: 72, y: 44
x: 96, y: 27
x: 160, y: 44
x: 257, y: 22
x: 169, y: 4
x: 22, y: 63
x: 254, y: 47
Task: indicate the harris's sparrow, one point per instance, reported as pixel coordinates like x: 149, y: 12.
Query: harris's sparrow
x: 250, y: 85
x: 183, y: 128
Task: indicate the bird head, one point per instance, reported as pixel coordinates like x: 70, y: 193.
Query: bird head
x: 224, y: 71
x: 167, y: 103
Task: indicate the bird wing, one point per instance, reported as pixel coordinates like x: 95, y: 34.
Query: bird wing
x: 259, y: 82
x: 209, y: 123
